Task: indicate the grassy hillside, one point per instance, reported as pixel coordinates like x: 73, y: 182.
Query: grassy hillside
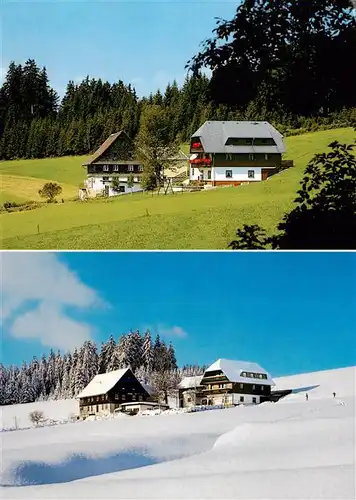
x: 20, y: 180
x: 206, y: 220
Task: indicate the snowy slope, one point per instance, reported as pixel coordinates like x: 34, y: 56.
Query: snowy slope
x: 319, y: 384
x: 303, y: 449
x: 13, y: 416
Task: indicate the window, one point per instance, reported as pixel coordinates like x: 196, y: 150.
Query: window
x: 106, y: 168
x: 242, y: 399
x: 251, y: 174
x: 105, y: 178
x: 140, y: 398
x: 116, y: 168
x: 133, y: 397
x: 228, y: 174
x: 123, y: 397
x: 266, y: 157
x: 116, y: 396
x: 228, y: 156
x: 97, y: 398
x: 192, y: 172
x: 262, y: 387
x: 254, y: 400
x: 130, y: 168
x: 140, y: 168
x: 241, y: 386
x: 121, y: 189
x: 106, y: 397
x: 243, y: 374
x: 189, y: 400
x: 252, y: 157
x: 249, y: 142
x: 209, y: 174
x: 253, y: 387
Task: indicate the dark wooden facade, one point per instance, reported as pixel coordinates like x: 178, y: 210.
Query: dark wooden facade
x: 115, y: 168
x: 115, y: 156
x: 127, y: 389
x: 217, y: 384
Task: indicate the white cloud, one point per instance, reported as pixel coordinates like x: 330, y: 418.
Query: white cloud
x: 170, y: 332
x: 37, y: 289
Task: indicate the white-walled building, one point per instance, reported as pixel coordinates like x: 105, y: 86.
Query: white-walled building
x: 227, y: 382
x: 113, y: 169
x: 234, y: 152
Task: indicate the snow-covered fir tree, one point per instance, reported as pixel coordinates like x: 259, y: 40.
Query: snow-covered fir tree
x: 147, y: 351
x: 109, y: 356
x: 58, y: 376
x: 133, y: 349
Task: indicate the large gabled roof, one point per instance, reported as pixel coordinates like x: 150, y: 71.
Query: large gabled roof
x: 233, y: 369
x: 101, y: 384
x: 214, y: 134
x: 105, y: 146
x: 180, y: 156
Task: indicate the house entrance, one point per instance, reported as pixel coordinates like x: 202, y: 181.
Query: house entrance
x: 106, y: 190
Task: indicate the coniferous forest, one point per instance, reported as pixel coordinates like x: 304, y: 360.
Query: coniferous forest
x: 58, y: 376
x: 292, y: 63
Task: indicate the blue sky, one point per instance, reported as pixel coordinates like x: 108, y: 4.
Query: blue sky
x: 291, y: 312
x: 144, y: 42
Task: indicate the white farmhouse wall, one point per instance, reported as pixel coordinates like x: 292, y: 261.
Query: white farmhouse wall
x: 218, y: 174
x: 234, y: 399
x: 238, y: 174
x: 194, y: 174
x: 96, y: 183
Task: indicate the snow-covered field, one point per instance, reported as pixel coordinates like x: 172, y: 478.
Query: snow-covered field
x: 291, y: 449
x: 17, y: 416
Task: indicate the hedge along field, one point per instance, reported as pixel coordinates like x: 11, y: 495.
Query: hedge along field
x: 202, y: 220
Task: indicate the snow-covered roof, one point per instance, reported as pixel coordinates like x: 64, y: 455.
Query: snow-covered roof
x: 190, y: 382
x: 233, y: 369
x: 102, y: 383
x: 148, y: 388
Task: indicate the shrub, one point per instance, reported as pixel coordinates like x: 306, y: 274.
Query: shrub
x: 37, y: 417
x: 50, y: 190
x: 10, y: 204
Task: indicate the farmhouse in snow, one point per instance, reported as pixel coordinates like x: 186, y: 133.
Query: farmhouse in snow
x: 227, y: 382
x: 106, y: 392
x: 233, y: 152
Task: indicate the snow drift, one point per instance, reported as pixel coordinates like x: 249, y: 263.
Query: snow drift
x: 287, y: 450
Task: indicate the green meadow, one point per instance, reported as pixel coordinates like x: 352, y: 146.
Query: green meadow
x: 200, y: 220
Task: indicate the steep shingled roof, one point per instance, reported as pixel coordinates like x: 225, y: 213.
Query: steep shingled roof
x: 214, y: 134
x: 104, y: 147
x: 101, y: 384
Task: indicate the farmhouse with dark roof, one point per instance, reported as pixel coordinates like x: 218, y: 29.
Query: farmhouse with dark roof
x: 234, y: 152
